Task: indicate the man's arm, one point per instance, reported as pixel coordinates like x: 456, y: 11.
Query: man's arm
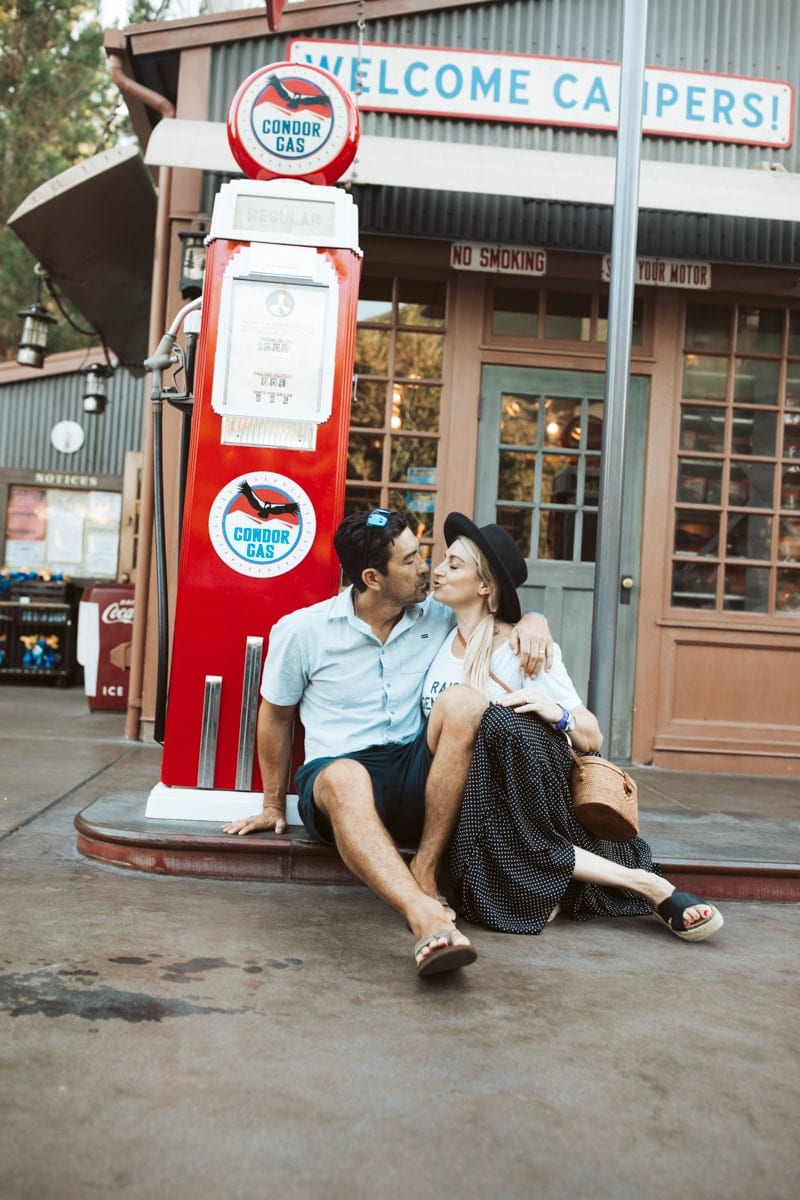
x: 274, y: 744
x: 532, y: 641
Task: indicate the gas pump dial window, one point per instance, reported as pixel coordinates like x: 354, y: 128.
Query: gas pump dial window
x: 273, y: 375
x: 307, y: 221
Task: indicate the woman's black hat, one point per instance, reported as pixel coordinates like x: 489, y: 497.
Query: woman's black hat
x: 503, y: 555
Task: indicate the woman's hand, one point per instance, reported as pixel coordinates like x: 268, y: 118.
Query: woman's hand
x: 531, y: 700
x: 272, y: 818
x: 586, y: 734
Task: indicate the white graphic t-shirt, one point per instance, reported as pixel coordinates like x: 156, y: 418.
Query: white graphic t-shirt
x: 446, y: 670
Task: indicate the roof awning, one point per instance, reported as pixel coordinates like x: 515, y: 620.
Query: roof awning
x: 760, y: 193
x: 93, y: 229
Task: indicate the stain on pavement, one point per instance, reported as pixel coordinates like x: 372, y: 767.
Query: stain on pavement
x: 193, y: 968
x: 44, y: 992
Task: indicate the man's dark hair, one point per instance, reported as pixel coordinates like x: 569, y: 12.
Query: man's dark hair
x: 361, y: 545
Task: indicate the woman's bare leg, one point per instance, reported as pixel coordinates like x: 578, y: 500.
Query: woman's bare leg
x: 593, y: 868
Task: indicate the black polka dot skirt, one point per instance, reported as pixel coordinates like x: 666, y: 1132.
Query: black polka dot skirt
x: 512, y: 857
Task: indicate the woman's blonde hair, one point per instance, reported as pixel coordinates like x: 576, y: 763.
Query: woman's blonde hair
x: 479, y: 647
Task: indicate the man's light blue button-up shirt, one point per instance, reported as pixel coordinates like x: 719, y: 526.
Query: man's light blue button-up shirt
x: 353, y: 691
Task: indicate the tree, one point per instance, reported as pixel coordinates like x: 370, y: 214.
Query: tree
x: 58, y: 106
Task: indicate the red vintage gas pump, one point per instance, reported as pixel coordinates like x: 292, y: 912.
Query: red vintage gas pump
x: 267, y: 456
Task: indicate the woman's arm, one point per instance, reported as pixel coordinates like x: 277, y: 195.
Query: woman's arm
x: 585, y: 733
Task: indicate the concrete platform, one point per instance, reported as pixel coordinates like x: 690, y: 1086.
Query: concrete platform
x: 114, y: 830
x: 725, y: 837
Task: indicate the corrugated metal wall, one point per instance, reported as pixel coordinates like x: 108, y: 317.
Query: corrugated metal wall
x: 726, y: 36
x: 29, y: 410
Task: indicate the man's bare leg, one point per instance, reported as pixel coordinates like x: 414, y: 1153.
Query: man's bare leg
x: 343, y: 792
x: 452, y: 729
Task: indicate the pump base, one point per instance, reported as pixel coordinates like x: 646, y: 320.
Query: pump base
x: 209, y: 804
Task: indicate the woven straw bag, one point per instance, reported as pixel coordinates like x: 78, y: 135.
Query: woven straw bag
x: 604, y: 797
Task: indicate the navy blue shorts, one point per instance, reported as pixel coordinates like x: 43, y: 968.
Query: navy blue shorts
x: 398, y: 773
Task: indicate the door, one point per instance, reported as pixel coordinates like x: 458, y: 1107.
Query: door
x: 538, y: 475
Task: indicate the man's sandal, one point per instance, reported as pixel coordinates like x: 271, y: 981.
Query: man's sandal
x: 444, y: 958
x: 671, y: 913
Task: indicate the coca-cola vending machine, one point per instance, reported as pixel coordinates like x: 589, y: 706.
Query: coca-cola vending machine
x: 105, y: 621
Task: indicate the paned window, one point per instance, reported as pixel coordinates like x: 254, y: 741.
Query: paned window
x: 394, y: 423
x: 552, y: 315
x: 549, y: 471
x: 736, y: 528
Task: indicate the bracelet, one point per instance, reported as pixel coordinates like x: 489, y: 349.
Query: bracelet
x: 566, y: 717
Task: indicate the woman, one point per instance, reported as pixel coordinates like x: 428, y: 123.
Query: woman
x: 519, y: 854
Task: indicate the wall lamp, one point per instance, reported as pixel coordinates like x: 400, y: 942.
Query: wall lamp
x: 95, y: 388
x: 193, y: 262
x: 35, y: 328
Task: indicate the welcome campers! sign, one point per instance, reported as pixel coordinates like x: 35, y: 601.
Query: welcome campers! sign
x: 555, y: 91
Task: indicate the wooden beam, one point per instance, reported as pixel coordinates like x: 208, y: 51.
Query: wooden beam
x: 214, y: 28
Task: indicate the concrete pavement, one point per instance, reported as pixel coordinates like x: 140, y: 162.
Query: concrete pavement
x: 171, y: 1036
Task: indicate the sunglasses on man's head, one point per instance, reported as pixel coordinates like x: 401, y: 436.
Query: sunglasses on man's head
x: 377, y: 519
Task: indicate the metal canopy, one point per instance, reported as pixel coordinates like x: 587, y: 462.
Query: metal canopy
x: 760, y: 193
x: 93, y: 229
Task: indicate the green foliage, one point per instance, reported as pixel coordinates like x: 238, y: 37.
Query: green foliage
x: 57, y: 107
x: 142, y: 11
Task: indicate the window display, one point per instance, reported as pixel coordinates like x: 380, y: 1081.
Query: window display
x: 737, y: 486
x: 394, y: 422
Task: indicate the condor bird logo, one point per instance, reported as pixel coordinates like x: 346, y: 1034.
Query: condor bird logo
x: 292, y: 117
x: 266, y: 509
x: 262, y: 524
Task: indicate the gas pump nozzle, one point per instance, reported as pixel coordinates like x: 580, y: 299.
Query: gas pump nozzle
x: 161, y: 358
x: 167, y: 353
x: 162, y: 355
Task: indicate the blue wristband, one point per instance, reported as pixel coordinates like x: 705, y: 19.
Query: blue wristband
x: 565, y: 717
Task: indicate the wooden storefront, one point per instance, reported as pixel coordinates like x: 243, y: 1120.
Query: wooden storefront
x: 482, y: 389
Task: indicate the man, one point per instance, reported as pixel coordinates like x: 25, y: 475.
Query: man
x: 375, y: 775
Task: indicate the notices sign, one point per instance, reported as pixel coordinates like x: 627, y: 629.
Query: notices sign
x: 485, y: 86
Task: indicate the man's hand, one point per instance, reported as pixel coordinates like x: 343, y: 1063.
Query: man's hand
x: 532, y: 642
x: 272, y: 818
